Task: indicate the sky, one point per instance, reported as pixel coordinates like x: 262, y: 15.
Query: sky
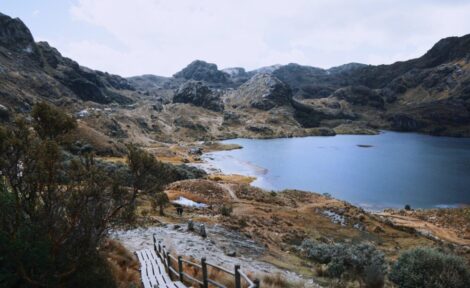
x: 135, y: 37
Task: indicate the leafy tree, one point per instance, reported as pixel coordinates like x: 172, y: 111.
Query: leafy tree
x: 50, y: 122
x: 161, y: 199
x: 55, y: 211
x: 150, y: 175
x: 425, y: 267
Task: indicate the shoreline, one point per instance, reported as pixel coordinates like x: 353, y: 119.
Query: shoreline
x: 212, y: 166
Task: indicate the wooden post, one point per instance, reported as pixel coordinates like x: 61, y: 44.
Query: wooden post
x: 205, y: 283
x: 202, y: 231
x: 168, y: 259
x: 180, y: 267
x: 190, y: 225
x: 154, y: 243
x: 256, y: 282
x: 238, y: 283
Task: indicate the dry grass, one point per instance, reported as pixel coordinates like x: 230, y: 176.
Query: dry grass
x: 120, y: 160
x: 209, y: 192
x: 277, y: 280
x: 123, y: 265
x: 232, y: 178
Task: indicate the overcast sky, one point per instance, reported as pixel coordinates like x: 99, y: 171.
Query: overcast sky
x: 133, y: 37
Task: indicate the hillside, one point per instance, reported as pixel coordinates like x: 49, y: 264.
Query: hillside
x: 429, y: 94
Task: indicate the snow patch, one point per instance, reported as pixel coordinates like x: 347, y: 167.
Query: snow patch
x: 189, y: 203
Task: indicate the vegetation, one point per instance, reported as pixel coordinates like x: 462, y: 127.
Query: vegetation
x: 425, y: 267
x: 56, y: 210
x: 362, y: 262
x: 57, y: 207
x: 150, y: 175
x: 226, y: 210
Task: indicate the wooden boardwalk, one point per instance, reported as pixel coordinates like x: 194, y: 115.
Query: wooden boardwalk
x: 156, y: 269
x: 153, y: 271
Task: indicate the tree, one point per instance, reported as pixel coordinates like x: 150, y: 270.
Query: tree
x: 161, y: 199
x: 55, y: 210
x: 150, y: 175
x: 425, y: 267
x: 50, y: 122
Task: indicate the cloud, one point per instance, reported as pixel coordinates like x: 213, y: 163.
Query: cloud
x: 161, y: 37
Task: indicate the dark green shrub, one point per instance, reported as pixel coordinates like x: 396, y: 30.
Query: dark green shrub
x: 425, y: 267
x: 226, y: 210
x: 362, y: 261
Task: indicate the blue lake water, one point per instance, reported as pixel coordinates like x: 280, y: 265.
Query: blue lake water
x: 400, y: 168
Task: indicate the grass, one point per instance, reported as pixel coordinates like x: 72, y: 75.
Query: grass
x: 123, y: 265
x: 234, y: 178
x: 277, y: 280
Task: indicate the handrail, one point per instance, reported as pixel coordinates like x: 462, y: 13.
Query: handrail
x: 166, y: 258
x: 215, y: 283
x: 191, y: 263
x: 221, y: 268
x: 186, y: 275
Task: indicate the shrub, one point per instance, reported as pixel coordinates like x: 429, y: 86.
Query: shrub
x: 407, y: 207
x: 362, y: 261
x: 425, y: 267
x: 226, y: 210
x: 55, y: 208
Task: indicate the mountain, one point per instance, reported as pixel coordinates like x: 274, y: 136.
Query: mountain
x: 429, y: 94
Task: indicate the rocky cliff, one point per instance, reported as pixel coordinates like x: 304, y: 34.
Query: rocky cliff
x: 430, y: 94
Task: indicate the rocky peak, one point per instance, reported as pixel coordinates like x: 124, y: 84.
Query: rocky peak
x: 15, y: 35
x: 202, y: 71
x: 264, y: 91
x: 447, y: 49
x: 235, y: 71
x: 346, y: 67
x: 198, y: 94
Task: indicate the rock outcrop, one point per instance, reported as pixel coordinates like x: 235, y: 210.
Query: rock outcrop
x: 14, y: 35
x: 264, y: 92
x: 198, y: 94
x: 203, y: 71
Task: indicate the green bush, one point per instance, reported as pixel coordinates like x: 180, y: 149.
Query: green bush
x: 361, y: 261
x: 226, y: 210
x: 425, y: 267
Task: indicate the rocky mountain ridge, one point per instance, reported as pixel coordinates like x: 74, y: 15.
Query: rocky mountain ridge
x: 429, y: 94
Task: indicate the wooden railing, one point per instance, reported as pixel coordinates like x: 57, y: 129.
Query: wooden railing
x: 168, y: 259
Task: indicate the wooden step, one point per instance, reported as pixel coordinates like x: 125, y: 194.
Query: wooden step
x: 153, y: 271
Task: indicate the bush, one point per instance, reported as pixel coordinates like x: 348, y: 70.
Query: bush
x: 226, y: 210
x: 425, y: 267
x: 55, y: 208
x: 362, y: 261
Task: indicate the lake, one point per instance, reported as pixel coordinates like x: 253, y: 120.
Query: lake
x: 386, y: 170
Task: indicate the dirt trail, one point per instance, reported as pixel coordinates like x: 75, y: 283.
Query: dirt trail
x: 230, y: 191
x: 426, y: 228
x: 216, y: 248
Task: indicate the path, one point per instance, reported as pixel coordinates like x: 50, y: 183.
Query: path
x: 153, y: 271
x: 426, y: 227
x: 230, y: 191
